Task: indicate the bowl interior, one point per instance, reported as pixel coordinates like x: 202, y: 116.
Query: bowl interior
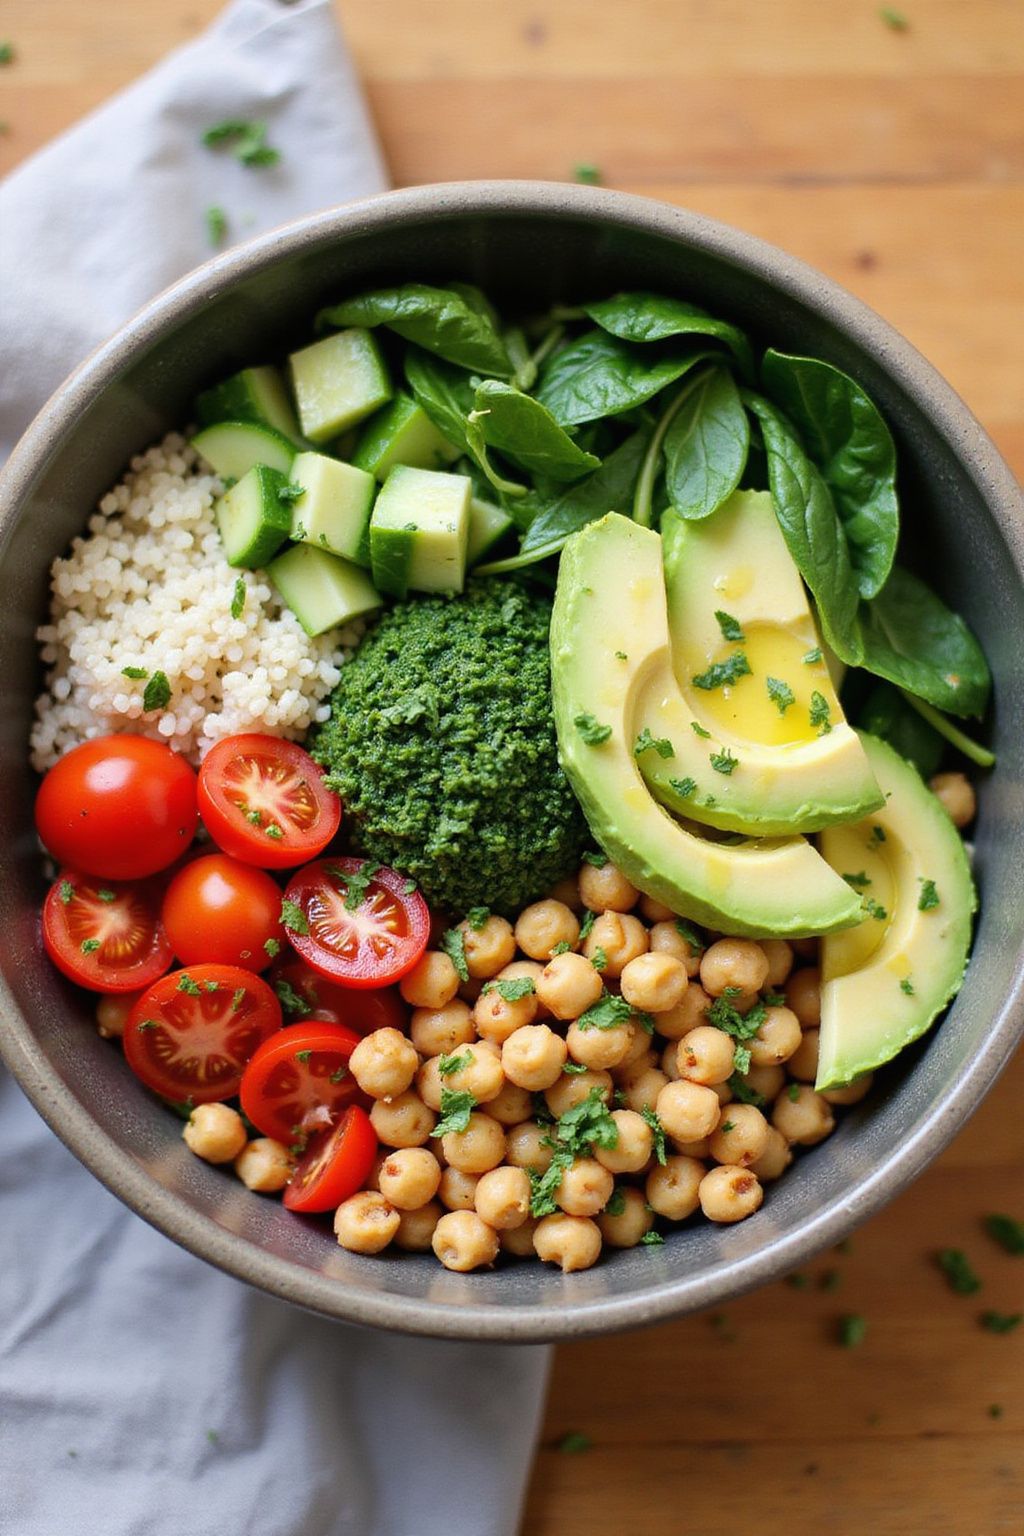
x: 527, y: 246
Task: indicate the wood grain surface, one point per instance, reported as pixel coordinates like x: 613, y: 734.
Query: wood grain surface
x: 894, y: 160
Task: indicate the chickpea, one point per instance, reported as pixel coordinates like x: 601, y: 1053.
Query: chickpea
x: 479, y: 1072
x: 518, y: 1241
x: 265, y: 1165
x: 701, y: 1149
x: 542, y: 927
x: 620, y: 936
x: 470, y: 990
x: 852, y: 1093
x: 803, y: 1064
x: 365, y: 1223
x: 672, y: 1187
x: 480, y: 1147
x: 416, y: 1228
x: 525, y: 1146
x: 512, y: 1105
x: 654, y: 983
x: 567, y: 891
x: 384, y: 1063
x: 767, y: 1081
x: 531, y: 968
x: 688, y: 1111
x: 668, y: 939
x: 488, y: 947
x: 775, y: 1159
x: 404, y: 1121
x: 429, y: 1082
x: 215, y: 1132
x: 730, y: 1194
x: 807, y: 950
x: 409, y: 1178
x: 568, y: 1091
x: 585, y: 1188
x: 644, y: 1090
x: 600, y: 1048
x: 632, y: 1222
x: 572, y: 1242
x: 497, y: 1017
x: 457, y: 1190
x: 503, y: 1198
x: 669, y: 1061
x: 740, y: 1137
x: 779, y: 955
x: 956, y: 793
x: 803, y: 996
x: 633, y: 1149
x: 705, y: 1055
x: 654, y: 911
x: 636, y: 1063
x: 689, y: 1014
x: 723, y: 1093
x: 432, y: 982
x: 440, y: 1031
x: 533, y: 1057
x: 803, y: 1116
x: 569, y: 985
x: 639, y: 1049
x: 463, y: 1242
x: 112, y: 1013
x: 777, y: 1039
x: 605, y: 888
x: 733, y: 963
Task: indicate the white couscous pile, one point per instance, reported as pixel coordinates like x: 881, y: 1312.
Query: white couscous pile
x: 144, y: 594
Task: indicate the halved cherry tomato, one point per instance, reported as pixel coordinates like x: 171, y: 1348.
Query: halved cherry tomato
x: 265, y: 802
x: 298, y: 1081
x: 190, y: 1036
x: 335, y: 1166
x: 120, y: 806
x: 218, y: 909
x: 359, y: 924
x: 107, y: 937
x: 305, y: 995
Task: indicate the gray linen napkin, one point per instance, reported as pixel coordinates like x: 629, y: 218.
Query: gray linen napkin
x: 143, y: 1393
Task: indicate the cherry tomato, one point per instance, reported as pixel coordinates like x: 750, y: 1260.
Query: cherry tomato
x: 217, y: 909
x: 120, y: 807
x: 305, y: 995
x: 359, y: 925
x: 335, y: 1165
x: 265, y: 802
x: 108, y: 938
x: 298, y: 1082
x: 190, y: 1036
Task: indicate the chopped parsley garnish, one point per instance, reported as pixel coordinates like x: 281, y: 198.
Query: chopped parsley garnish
x: 291, y: 492
x: 105, y: 895
x: 238, y: 998
x: 730, y: 627
x: 661, y: 744
x: 688, y: 932
x: 561, y: 948
x: 512, y: 989
x: 597, y: 858
x: 798, y: 1280
x: 657, y: 1131
x: 455, y: 1063
x: 995, y: 1411
x: 956, y: 1267
x: 186, y: 984
x: 90, y: 946
x: 157, y: 693
x: 651, y: 1239
x: 721, y: 673
x: 589, y: 918
x: 723, y: 762
x: 216, y: 225
x: 929, y: 896
x: 852, y: 1330
x: 289, y: 999
x: 606, y: 1013
x: 588, y: 176
x: 684, y: 788
x: 1007, y: 1232
x: 410, y: 888
x: 254, y: 817
x: 773, y: 1000
x: 895, y: 20
x: 1001, y: 1322
x: 780, y: 693
x: 830, y: 1280
x: 211, y: 986
x: 246, y: 139
x: 574, y: 1068
x: 238, y: 598
x: 592, y: 731
x: 907, y: 986
x: 476, y: 917
x: 148, y: 1024
x: 616, y: 1202
x: 730, y: 1125
x: 66, y: 892
x: 136, y: 673
x: 698, y: 730
x: 621, y: 656
x: 820, y: 712
x: 338, y: 1075
x: 793, y: 1092
x: 453, y: 942
x: 810, y: 657
x: 859, y: 881
x: 274, y: 831
x: 732, y: 991
x: 303, y: 1056
x: 724, y: 1016
x: 6, y: 53
x: 875, y: 909
x: 599, y: 959
x: 356, y: 883
x: 740, y: 1059
x: 743, y: 1093
x: 456, y: 1108
x: 293, y: 918
x: 877, y: 836
x: 272, y: 948
x: 574, y: 1443
x: 585, y: 1125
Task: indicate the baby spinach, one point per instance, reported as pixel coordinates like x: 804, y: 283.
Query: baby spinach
x: 445, y: 393
x: 457, y: 322
x: 653, y: 317
x: 849, y: 442
x: 706, y: 445
x: 599, y: 375
x: 885, y: 713
x: 527, y: 433
x: 913, y: 640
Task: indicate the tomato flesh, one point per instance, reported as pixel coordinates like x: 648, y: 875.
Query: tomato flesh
x: 298, y: 1082
x: 106, y: 937
x: 190, y: 1036
x: 303, y: 994
x: 221, y: 910
x: 336, y: 1164
x: 264, y: 801
x: 360, y: 926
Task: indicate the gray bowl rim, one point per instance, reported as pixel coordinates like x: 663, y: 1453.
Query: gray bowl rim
x: 172, y: 1214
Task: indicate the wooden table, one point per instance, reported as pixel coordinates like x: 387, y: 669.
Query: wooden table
x: 894, y: 160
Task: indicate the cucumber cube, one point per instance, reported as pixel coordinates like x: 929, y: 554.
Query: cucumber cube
x: 419, y: 530
x: 337, y: 382
x: 232, y: 448
x: 334, y: 509
x: 255, y: 394
x: 402, y: 433
x: 487, y: 525
x: 253, y: 520
x: 321, y: 590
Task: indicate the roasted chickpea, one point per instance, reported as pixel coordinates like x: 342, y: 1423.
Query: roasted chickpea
x: 630, y: 1223
x: 215, y: 1132
x: 779, y: 955
x: 497, y: 1017
x: 775, y: 1159
x: 599, y: 1048
x: 112, y: 1013
x: 569, y: 985
x: 518, y: 1241
x: 512, y: 1105
x: 690, y: 1013
x: 606, y: 889
x: 432, y: 982
x: 730, y: 1194
x: 767, y: 1081
x: 526, y: 1146
x: 585, y: 1188
x: 404, y: 1121
x: 705, y: 1055
x: 740, y: 1137
x: 733, y: 963
x: 851, y: 1094
x: 265, y: 1165
x: 384, y: 1063
x: 956, y: 793
x: 803, y: 1064
x: 568, y: 1091
x: 672, y: 1187
x: 503, y: 1197
x: 533, y: 1057
x: 688, y: 1111
x: 480, y: 1147
x: 776, y: 1040
x: 545, y: 925
x: 620, y: 936
x: 488, y: 948
x: 803, y: 1116
x: 478, y: 1071
x: 365, y: 1222
x: 572, y: 1242
x: 409, y: 1177
x: 803, y: 996
x: 429, y: 1082
x: 633, y: 1149
x: 457, y: 1190
x: 654, y: 983
x: 668, y: 938
x: 643, y: 1090
x: 416, y: 1228
x: 463, y: 1242
x: 440, y: 1031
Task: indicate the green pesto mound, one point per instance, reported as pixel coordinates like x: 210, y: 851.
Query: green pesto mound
x: 441, y: 744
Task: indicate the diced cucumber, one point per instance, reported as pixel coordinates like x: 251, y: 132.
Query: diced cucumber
x: 255, y: 394
x: 334, y: 510
x: 419, y: 530
x: 337, y: 382
x: 321, y: 590
x: 253, y: 520
x: 231, y: 448
x: 402, y: 433
x: 487, y: 525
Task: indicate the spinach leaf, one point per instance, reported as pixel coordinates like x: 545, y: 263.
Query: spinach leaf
x: 811, y: 528
x: 599, y: 375
x: 850, y: 443
x: 912, y: 639
x: 522, y: 429
x: 445, y: 393
x: 706, y: 446
x: 653, y: 317
x: 885, y: 713
x: 456, y: 323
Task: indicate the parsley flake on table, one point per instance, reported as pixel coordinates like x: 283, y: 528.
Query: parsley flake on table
x: 956, y: 1267
x: 730, y: 627
x: 661, y: 744
x: 592, y: 731
x: 780, y: 693
x: 723, y: 762
x: 1001, y: 1322
x: 722, y: 673
x: 6, y: 53
x: 895, y: 20
x: 216, y: 225
x: 453, y: 942
x: 293, y: 918
x: 574, y: 1443
x: 157, y: 693
x: 1007, y: 1232
x: 852, y: 1330
x: 456, y: 1108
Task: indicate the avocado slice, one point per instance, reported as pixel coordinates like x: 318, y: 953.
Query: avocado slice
x: 885, y: 981
x: 609, y: 640
x: 735, y: 600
